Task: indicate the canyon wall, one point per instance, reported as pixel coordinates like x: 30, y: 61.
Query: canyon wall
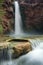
x: 8, y: 23
x: 31, y: 12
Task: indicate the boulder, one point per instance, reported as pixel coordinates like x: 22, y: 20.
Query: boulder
x: 21, y: 49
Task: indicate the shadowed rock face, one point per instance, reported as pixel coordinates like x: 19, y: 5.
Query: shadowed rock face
x: 31, y: 1
x: 7, y: 18
x: 32, y: 14
x: 34, y: 1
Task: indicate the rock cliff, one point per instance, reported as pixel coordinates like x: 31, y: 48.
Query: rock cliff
x: 31, y: 12
x: 8, y: 24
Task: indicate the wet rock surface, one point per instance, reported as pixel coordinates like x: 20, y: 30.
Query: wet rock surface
x: 16, y: 50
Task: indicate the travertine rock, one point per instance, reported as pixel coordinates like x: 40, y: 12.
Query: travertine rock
x: 21, y: 49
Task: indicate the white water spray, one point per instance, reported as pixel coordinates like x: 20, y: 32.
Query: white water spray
x: 34, y: 57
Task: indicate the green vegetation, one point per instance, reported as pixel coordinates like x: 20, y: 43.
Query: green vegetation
x: 1, y: 29
x: 1, y: 1
x: 1, y: 14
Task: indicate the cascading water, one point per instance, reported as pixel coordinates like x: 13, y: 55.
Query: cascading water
x: 34, y: 57
x: 18, y: 32
x: 35, y: 42
x: 10, y: 56
x: 9, y: 61
x: 18, y: 20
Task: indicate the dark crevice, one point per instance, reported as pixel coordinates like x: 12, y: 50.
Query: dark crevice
x: 18, y: 40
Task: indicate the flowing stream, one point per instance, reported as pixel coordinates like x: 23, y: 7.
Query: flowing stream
x: 34, y: 57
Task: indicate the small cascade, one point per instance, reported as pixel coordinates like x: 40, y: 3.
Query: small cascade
x: 10, y: 56
x: 9, y: 61
x: 36, y: 43
x: 34, y: 57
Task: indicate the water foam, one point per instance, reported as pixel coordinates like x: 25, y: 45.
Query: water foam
x: 34, y: 57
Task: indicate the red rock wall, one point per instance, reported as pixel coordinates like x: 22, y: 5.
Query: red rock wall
x: 33, y: 15
x: 7, y: 18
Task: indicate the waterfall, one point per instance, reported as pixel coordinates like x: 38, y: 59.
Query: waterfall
x: 18, y: 28
x: 18, y: 20
x: 18, y: 31
x: 10, y: 56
